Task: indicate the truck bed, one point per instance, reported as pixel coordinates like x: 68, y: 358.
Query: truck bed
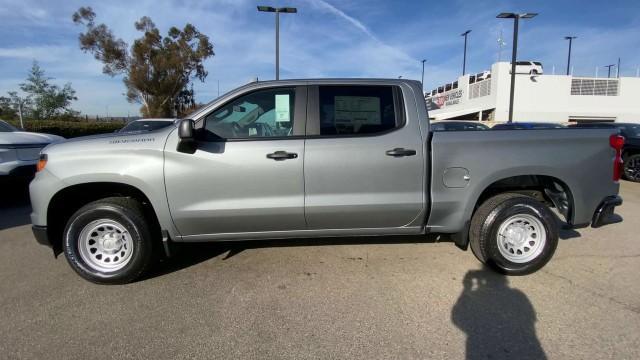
x: 580, y: 159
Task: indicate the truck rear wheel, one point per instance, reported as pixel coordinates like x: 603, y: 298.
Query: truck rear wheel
x: 514, y: 234
x: 108, y: 241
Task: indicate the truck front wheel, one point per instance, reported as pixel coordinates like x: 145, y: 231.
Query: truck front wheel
x: 108, y: 241
x: 513, y: 234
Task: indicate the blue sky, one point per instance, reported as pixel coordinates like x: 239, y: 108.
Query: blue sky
x: 327, y: 38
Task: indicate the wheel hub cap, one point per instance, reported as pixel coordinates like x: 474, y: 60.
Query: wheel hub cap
x: 521, y: 238
x: 105, y: 245
x: 111, y: 242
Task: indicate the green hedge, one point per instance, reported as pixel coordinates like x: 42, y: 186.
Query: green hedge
x: 69, y: 129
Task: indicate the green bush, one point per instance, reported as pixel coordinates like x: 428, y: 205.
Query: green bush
x: 69, y: 129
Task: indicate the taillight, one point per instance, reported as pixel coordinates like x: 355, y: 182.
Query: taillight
x: 617, y: 143
x: 42, y: 162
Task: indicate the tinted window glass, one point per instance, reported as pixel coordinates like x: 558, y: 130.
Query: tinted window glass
x: 263, y: 113
x: 348, y: 110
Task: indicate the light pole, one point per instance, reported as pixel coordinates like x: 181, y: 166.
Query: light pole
x: 286, y: 10
x: 422, y: 83
x: 609, y: 69
x: 464, y: 57
x: 516, y: 19
x: 570, y: 38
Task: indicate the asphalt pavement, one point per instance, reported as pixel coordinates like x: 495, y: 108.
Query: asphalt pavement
x: 373, y: 298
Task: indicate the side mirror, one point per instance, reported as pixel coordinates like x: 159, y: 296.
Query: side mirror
x: 186, y: 133
x: 186, y: 130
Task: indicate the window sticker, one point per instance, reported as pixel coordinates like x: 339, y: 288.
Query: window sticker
x: 282, y: 108
x: 360, y: 110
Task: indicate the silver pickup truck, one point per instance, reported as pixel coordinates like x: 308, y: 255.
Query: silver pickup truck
x: 320, y: 158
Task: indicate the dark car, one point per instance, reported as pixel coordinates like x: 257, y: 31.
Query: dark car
x: 527, y: 126
x: 458, y: 126
x: 147, y: 125
x: 631, y: 150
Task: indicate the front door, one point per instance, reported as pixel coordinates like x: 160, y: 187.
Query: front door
x: 246, y: 174
x: 364, y: 160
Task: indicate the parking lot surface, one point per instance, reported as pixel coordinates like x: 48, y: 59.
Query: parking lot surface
x: 387, y: 297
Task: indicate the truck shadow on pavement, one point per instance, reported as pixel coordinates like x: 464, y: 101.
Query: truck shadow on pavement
x: 184, y: 255
x: 498, y: 320
x: 14, y: 206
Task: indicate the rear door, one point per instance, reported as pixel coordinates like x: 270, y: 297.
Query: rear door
x: 246, y: 174
x: 364, y: 160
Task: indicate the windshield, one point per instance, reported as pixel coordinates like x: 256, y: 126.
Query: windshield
x: 5, y: 127
x: 145, y: 125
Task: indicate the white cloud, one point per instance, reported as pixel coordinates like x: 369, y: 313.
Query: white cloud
x: 326, y: 38
x: 49, y: 52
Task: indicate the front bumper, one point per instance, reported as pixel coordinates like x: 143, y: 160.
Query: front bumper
x: 41, y: 235
x: 604, y: 213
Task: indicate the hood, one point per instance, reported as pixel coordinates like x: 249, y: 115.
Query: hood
x: 118, y: 134
x: 27, y: 138
x: 110, y: 142
x: 92, y: 137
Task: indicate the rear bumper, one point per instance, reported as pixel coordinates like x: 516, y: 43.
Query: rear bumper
x: 604, y: 213
x: 41, y: 235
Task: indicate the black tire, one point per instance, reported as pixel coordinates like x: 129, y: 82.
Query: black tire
x: 485, y: 224
x: 632, y: 168
x: 126, y: 212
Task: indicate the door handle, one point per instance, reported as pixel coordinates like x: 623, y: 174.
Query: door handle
x: 400, y: 152
x: 281, y: 155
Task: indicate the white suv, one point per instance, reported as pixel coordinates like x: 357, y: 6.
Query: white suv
x: 19, y: 150
x: 529, y: 67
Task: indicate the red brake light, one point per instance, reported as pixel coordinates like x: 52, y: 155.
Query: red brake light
x: 617, y: 142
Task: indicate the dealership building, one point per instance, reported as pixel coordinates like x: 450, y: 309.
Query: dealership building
x: 538, y: 97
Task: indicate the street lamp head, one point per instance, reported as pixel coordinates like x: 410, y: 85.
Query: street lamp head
x: 267, y: 9
x: 570, y: 37
x: 290, y: 10
x: 465, y: 33
x: 424, y: 61
x: 506, y: 15
x: 514, y: 15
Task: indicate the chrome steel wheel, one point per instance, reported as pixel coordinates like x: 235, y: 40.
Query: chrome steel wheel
x: 521, y: 238
x: 105, y: 245
x: 632, y: 168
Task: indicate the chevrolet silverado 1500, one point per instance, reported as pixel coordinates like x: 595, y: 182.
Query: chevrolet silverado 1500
x: 320, y: 158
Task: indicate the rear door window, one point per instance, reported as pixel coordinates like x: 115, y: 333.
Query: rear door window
x: 355, y: 110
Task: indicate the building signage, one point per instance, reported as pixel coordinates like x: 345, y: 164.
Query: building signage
x: 443, y: 100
